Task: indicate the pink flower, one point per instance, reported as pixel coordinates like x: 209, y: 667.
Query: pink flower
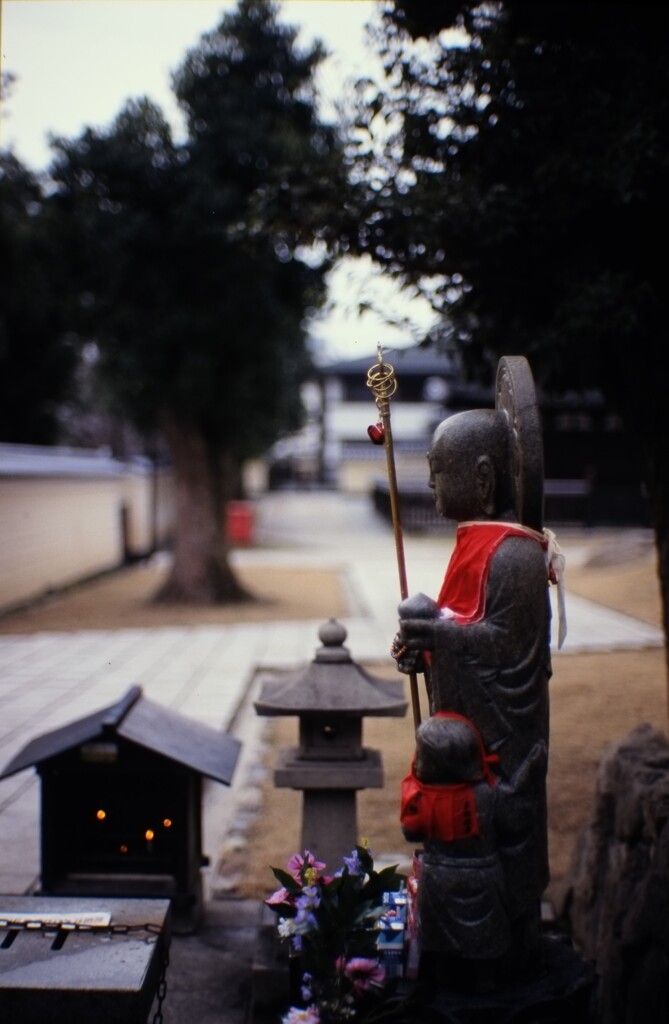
x: 280, y: 896
x: 364, y: 974
x: 308, y: 1016
x: 297, y: 864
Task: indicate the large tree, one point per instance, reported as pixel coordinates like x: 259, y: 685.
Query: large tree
x: 202, y: 263
x: 513, y: 165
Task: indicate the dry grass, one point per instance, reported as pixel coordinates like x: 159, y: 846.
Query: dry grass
x: 123, y: 600
x: 630, y: 588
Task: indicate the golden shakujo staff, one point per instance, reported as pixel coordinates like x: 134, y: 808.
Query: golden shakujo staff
x: 382, y: 382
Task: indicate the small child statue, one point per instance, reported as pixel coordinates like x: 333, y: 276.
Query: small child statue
x: 456, y: 806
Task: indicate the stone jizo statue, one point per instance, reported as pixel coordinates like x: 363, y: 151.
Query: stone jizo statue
x: 484, y: 647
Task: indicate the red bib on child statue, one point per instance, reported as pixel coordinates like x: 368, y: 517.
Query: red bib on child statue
x: 444, y: 813
x: 462, y: 593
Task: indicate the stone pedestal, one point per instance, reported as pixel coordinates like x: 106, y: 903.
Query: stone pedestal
x: 270, y: 975
x: 561, y: 993
x: 64, y: 975
x: 329, y: 811
x: 329, y: 824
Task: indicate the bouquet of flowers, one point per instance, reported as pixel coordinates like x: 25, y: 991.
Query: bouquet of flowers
x: 330, y: 922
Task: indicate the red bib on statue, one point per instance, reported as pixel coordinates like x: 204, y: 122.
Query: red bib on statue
x: 444, y: 813
x: 462, y: 594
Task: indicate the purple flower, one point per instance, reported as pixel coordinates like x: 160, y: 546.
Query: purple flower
x: 306, y: 904
x: 306, y: 992
x: 353, y: 863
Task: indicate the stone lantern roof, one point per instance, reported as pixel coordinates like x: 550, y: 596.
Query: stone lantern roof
x: 332, y: 682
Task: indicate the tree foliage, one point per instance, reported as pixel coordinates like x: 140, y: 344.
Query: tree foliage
x: 513, y: 165
x: 37, y: 354
x: 522, y: 182
x: 201, y: 262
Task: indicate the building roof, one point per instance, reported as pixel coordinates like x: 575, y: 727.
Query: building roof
x: 412, y: 360
x: 42, y: 460
x: 145, y: 723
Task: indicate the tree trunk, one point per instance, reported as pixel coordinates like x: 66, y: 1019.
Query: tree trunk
x: 657, y: 483
x: 204, y: 479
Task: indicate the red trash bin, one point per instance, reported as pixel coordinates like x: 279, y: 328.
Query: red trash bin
x: 239, y: 522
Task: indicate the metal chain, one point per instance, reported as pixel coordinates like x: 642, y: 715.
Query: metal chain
x: 161, y: 994
x: 77, y: 926
x: 65, y: 927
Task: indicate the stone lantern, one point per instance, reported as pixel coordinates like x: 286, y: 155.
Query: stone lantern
x: 330, y: 697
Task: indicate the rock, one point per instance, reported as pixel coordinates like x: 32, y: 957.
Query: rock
x: 616, y: 896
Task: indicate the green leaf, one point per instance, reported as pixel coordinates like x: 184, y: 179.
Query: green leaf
x: 287, y: 881
x: 387, y: 880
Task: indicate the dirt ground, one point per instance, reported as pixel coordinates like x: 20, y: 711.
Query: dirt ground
x: 595, y: 698
x: 122, y: 600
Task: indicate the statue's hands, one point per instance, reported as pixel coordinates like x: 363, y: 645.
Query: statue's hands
x: 418, y: 635
x: 417, y: 616
x: 420, y: 606
x: 408, y: 662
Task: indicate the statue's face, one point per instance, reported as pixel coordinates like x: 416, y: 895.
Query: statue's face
x: 437, y: 460
x: 463, y: 455
x: 449, y: 479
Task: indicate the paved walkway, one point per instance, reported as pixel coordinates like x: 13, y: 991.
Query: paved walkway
x: 50, y: 679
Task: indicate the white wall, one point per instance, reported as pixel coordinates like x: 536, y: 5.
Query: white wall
x: 66, y: 515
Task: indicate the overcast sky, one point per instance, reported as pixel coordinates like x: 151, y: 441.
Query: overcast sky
x: 77, y: 61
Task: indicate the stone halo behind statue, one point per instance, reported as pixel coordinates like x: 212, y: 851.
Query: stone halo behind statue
x: 515, y: 395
